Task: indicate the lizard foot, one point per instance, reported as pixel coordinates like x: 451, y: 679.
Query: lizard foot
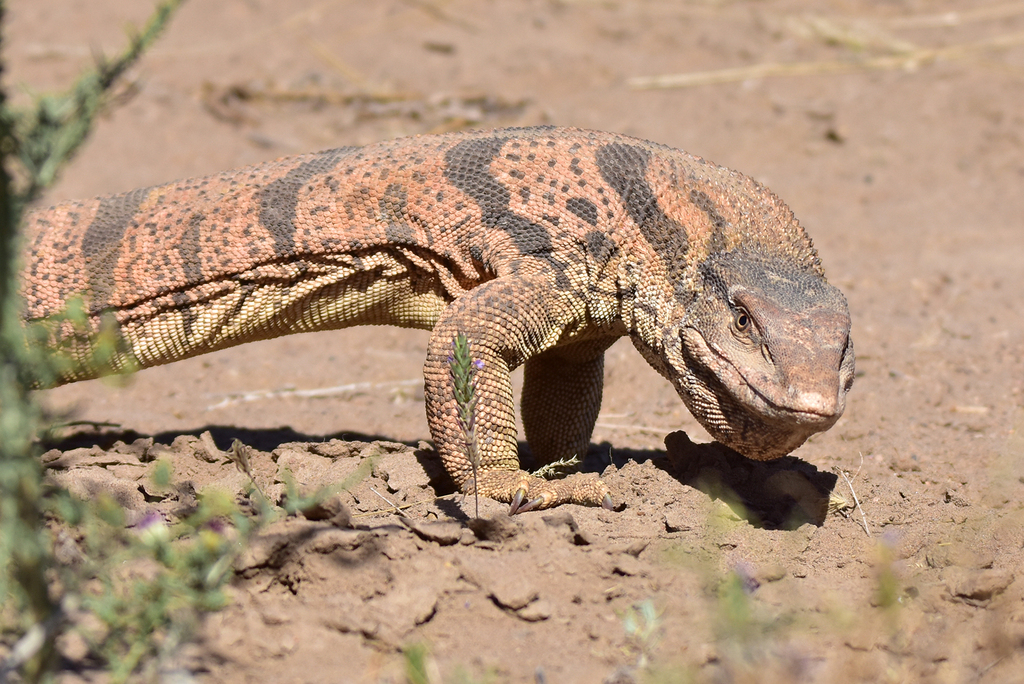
x: 526, y: 492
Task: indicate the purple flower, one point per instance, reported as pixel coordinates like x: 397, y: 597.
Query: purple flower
x: 148, y: 520
x: 216, y: 525
x: 748, y: 582
x: 152, y: 529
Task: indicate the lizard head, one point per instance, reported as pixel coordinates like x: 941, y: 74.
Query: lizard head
x: 762, y: 356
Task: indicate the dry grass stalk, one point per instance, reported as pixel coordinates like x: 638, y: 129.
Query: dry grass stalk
x: 959, y: 17
x: 855, y: 34
x: 260, y: 395
x: 909, y: 61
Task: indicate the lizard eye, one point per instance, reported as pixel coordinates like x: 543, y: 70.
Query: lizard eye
x: 741, y: 320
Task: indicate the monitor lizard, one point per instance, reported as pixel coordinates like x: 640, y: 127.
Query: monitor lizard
x: 541, y: 245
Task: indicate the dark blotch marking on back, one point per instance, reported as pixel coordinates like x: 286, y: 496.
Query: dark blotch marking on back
x: 279, y: 199
x: 101, y: 244
x: 189, y: 251
x: 392, y: 212
x: 467, y: 166
x: 624, y: 168
x: 703, y: 202
x: 192, y: 268
x: 583, y: 208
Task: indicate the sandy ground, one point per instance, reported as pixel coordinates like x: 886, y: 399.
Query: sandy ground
x: 908, y: 172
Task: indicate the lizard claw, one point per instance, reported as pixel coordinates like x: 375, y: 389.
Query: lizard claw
x: 533, y: 494
x: 530, y: 505
x: 517, y: 501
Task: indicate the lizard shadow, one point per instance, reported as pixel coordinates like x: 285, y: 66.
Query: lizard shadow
x: 274, y: 549
x: 264, y: 439
x: 780, y: 494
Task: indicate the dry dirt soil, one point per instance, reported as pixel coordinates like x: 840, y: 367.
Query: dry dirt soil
x: 894, y: 129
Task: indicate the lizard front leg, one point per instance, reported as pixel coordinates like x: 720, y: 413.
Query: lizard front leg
x: 507, y: 321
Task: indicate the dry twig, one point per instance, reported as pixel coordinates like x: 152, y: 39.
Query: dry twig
x: 398, y: 511
x: 864, y: 518
x: 400, y: 508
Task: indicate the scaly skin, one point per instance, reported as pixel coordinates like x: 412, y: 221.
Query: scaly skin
x: 541, y: 245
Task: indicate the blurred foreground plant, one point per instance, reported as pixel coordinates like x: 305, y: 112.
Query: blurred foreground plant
x: 149, y: 584
x: 37, y: 592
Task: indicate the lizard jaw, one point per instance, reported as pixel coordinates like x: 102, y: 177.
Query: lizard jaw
x: 741, y: 415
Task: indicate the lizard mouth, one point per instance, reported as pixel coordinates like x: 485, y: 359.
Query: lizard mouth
x: 753, y: 390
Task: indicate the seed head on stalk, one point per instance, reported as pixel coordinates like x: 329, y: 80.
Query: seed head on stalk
x: 462, y: 369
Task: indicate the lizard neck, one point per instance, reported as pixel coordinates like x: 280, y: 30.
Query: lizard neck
x: 645, y: 295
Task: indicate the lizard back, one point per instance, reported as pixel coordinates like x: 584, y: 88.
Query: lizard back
x: 390, y: 234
